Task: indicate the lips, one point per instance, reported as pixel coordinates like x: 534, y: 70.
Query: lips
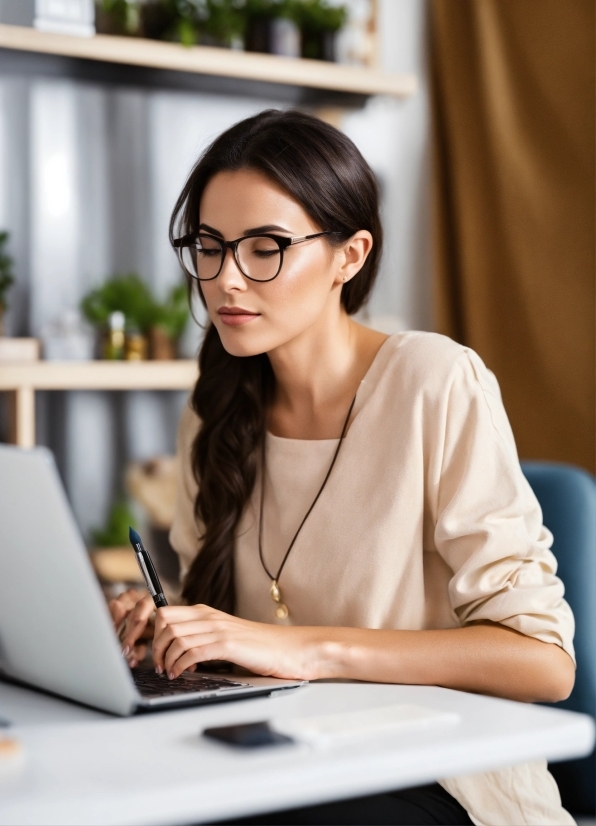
x: 236, y: 316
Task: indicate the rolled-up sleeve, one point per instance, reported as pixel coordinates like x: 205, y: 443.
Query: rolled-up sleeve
x: 488, y: 525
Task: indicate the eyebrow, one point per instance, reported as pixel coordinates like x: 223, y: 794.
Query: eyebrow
x: 265, y: 228
x: 211, y: 230
x: 254, y: 231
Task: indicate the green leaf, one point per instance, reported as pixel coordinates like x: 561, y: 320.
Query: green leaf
x: 126, y: 293
x: 115, y: 532
x: 318, y: 16
x: 172, y: 316
x: 6, y: 272
x: 187, y: 33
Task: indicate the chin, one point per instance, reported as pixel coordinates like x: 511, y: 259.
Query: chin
x: 241, y: 342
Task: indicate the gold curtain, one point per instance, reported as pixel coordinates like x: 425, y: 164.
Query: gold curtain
x: 513, y: 105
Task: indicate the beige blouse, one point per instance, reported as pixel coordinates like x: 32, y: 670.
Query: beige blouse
x: 426, y: 522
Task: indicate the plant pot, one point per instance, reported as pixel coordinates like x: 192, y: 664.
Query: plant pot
x: 110, y: 22
x: 319, y: 44
x: 274, y: 35
x: 161, y: 346
x: 161, y: 20
x: 157, y: 21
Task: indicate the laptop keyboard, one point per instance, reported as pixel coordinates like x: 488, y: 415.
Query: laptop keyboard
x: 151, y: 684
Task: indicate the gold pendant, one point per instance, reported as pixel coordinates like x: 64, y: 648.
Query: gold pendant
x: 281, y: 612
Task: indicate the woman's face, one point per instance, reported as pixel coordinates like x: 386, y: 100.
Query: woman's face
x: 307, y: 290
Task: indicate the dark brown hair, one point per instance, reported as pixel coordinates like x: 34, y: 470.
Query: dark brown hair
x: 325, y: 173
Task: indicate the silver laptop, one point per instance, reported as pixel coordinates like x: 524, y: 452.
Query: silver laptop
x: 56, y: 633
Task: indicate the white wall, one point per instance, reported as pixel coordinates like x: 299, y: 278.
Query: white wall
x: 394, y: 138
x: 88, y: 178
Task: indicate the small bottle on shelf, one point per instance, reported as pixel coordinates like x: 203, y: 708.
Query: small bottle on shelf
x: 113, y: 348
x: 136, y: 345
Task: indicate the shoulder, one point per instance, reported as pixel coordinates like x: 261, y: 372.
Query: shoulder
x: 448, y: 386
x: 436, y: 378
x: 434, y: 363
x: 424, y: 348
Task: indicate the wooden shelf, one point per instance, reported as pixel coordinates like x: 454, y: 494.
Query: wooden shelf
x: 99, y: 375
x: 22, y: 379
x: 203, y: 60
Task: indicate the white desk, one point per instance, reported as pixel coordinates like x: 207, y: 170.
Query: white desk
x: 84, y: 767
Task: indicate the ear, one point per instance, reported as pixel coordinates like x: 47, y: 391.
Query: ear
x: 353, y: 255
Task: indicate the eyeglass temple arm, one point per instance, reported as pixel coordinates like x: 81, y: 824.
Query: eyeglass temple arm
x: 298, y: 238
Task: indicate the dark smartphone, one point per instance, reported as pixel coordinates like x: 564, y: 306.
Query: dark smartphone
x: 248, y: 735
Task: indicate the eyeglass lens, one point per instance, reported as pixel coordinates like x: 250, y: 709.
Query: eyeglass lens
x: 259, y: 257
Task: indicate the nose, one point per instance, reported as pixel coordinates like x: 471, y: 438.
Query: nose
x: 230, y: 278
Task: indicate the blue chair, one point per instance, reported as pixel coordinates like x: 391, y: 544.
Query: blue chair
x: 567, y: 496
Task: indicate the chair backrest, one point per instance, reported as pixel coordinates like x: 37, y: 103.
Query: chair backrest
x: 567, y: 496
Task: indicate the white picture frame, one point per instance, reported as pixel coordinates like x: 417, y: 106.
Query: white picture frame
x: 75, y: 17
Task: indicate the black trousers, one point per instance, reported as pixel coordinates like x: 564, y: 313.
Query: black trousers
x: 422, y: 806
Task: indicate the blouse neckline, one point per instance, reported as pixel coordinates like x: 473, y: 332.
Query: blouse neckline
x: 367, y: 384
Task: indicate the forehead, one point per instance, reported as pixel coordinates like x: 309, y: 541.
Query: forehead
x: 233, y: 202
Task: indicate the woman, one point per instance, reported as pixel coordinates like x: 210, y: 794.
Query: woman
x: 350, y: 504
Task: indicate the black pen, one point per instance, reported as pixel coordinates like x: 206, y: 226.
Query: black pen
x: 147, y: 569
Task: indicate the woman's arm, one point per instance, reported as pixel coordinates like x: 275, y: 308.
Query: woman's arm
x: 483, y: 658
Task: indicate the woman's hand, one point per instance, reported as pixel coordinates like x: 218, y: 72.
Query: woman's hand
x: 187, y: 635
x: 132, y: 613
x: 486, y: 659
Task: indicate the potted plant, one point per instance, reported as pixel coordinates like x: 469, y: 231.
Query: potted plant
x: 6, y: 277
x: 169, y: 321
x: 319, y: 24
x: 123, y: 295
x: 124, y: 309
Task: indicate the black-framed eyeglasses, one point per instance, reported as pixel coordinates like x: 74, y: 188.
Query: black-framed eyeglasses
x: 259, y: 257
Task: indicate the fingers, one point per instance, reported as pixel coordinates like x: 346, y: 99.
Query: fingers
x: 176, y: 631
x: 185, y: 653
x: 182, y: 646
x: 137, y: 655
x: 183, y: 613
x: 180, y: 630
x: 174, y: 614
x: 136, y: 623
x: 123, y: 604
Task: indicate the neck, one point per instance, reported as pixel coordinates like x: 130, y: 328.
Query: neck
x: 311, y: 369
x: 317, y: 375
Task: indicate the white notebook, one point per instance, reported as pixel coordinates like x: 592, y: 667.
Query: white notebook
x: 328, y: 729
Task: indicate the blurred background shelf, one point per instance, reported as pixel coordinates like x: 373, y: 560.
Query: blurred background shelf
x: 22, y: 379
x: 149, y: 62
x: 99, y: 375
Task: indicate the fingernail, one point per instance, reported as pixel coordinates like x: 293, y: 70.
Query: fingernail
x: 171, y: 675
x: 126, y: 651
x: 132, y: 663
x: 158, y: 669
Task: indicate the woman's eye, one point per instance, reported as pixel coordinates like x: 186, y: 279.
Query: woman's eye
x: 267, y: 253
x: 208, y: 252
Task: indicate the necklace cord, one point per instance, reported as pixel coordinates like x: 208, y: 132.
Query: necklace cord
x: 308, y: 512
